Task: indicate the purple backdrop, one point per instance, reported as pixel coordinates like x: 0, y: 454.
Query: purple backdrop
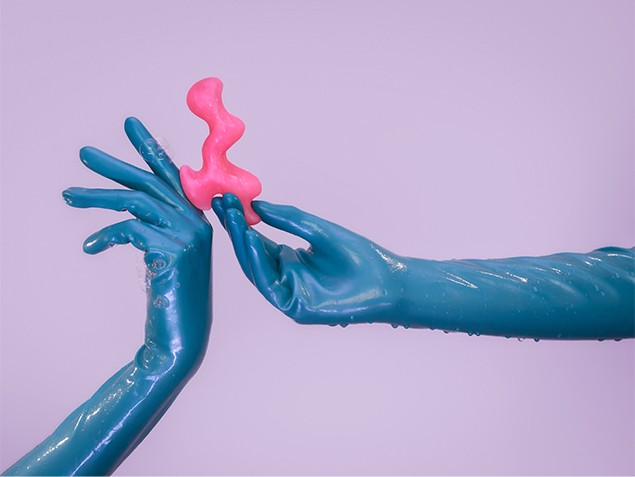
x: 438, y: 129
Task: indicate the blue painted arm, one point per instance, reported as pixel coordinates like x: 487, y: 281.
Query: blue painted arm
x: 176, y: 240
x: 344, y: 278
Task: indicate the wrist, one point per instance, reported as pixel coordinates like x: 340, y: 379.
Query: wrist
x: 391, y: 294
x: 414, y: 301
x: 179, y: 309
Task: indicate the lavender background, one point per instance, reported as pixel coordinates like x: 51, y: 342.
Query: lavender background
x: 443, y: 130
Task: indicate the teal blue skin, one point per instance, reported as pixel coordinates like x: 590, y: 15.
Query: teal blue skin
x: 176, y: 240
x: 344, y: 278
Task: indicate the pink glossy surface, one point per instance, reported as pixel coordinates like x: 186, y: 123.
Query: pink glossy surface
x: 218, y: 175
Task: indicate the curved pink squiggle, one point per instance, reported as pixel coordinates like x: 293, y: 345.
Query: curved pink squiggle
x: 218, y: 175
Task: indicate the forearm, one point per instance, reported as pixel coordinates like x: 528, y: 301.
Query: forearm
x: 104, y: 430
x: 561, y: 296
x: 179, y: 308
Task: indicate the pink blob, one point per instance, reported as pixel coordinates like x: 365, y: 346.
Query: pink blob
x: 218, y: 175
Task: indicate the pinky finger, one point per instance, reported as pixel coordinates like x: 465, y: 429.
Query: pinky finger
x: 133, y: 231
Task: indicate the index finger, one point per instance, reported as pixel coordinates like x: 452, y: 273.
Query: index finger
x: 152, y: 152
x: 132, y: 177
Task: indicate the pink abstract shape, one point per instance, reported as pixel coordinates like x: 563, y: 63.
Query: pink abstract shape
x: 218, y: 175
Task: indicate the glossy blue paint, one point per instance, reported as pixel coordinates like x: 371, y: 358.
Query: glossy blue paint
x: 176, y: 240
x: 344, y: 278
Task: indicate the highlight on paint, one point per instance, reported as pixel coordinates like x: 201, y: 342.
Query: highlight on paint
x: 218, y: 176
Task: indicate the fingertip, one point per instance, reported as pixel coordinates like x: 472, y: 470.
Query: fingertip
x: 258, y: 204
x: 85, y: 152
x: 77, y: 196
x: 130, y: 122
x: 217, y: 207
x: 262, y: 207
x: 92, y: 246
x: 90, y: 155
x: 67, y: 195
x: 232, y: 201
x: 285, y: 217
x: 135, y: 130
